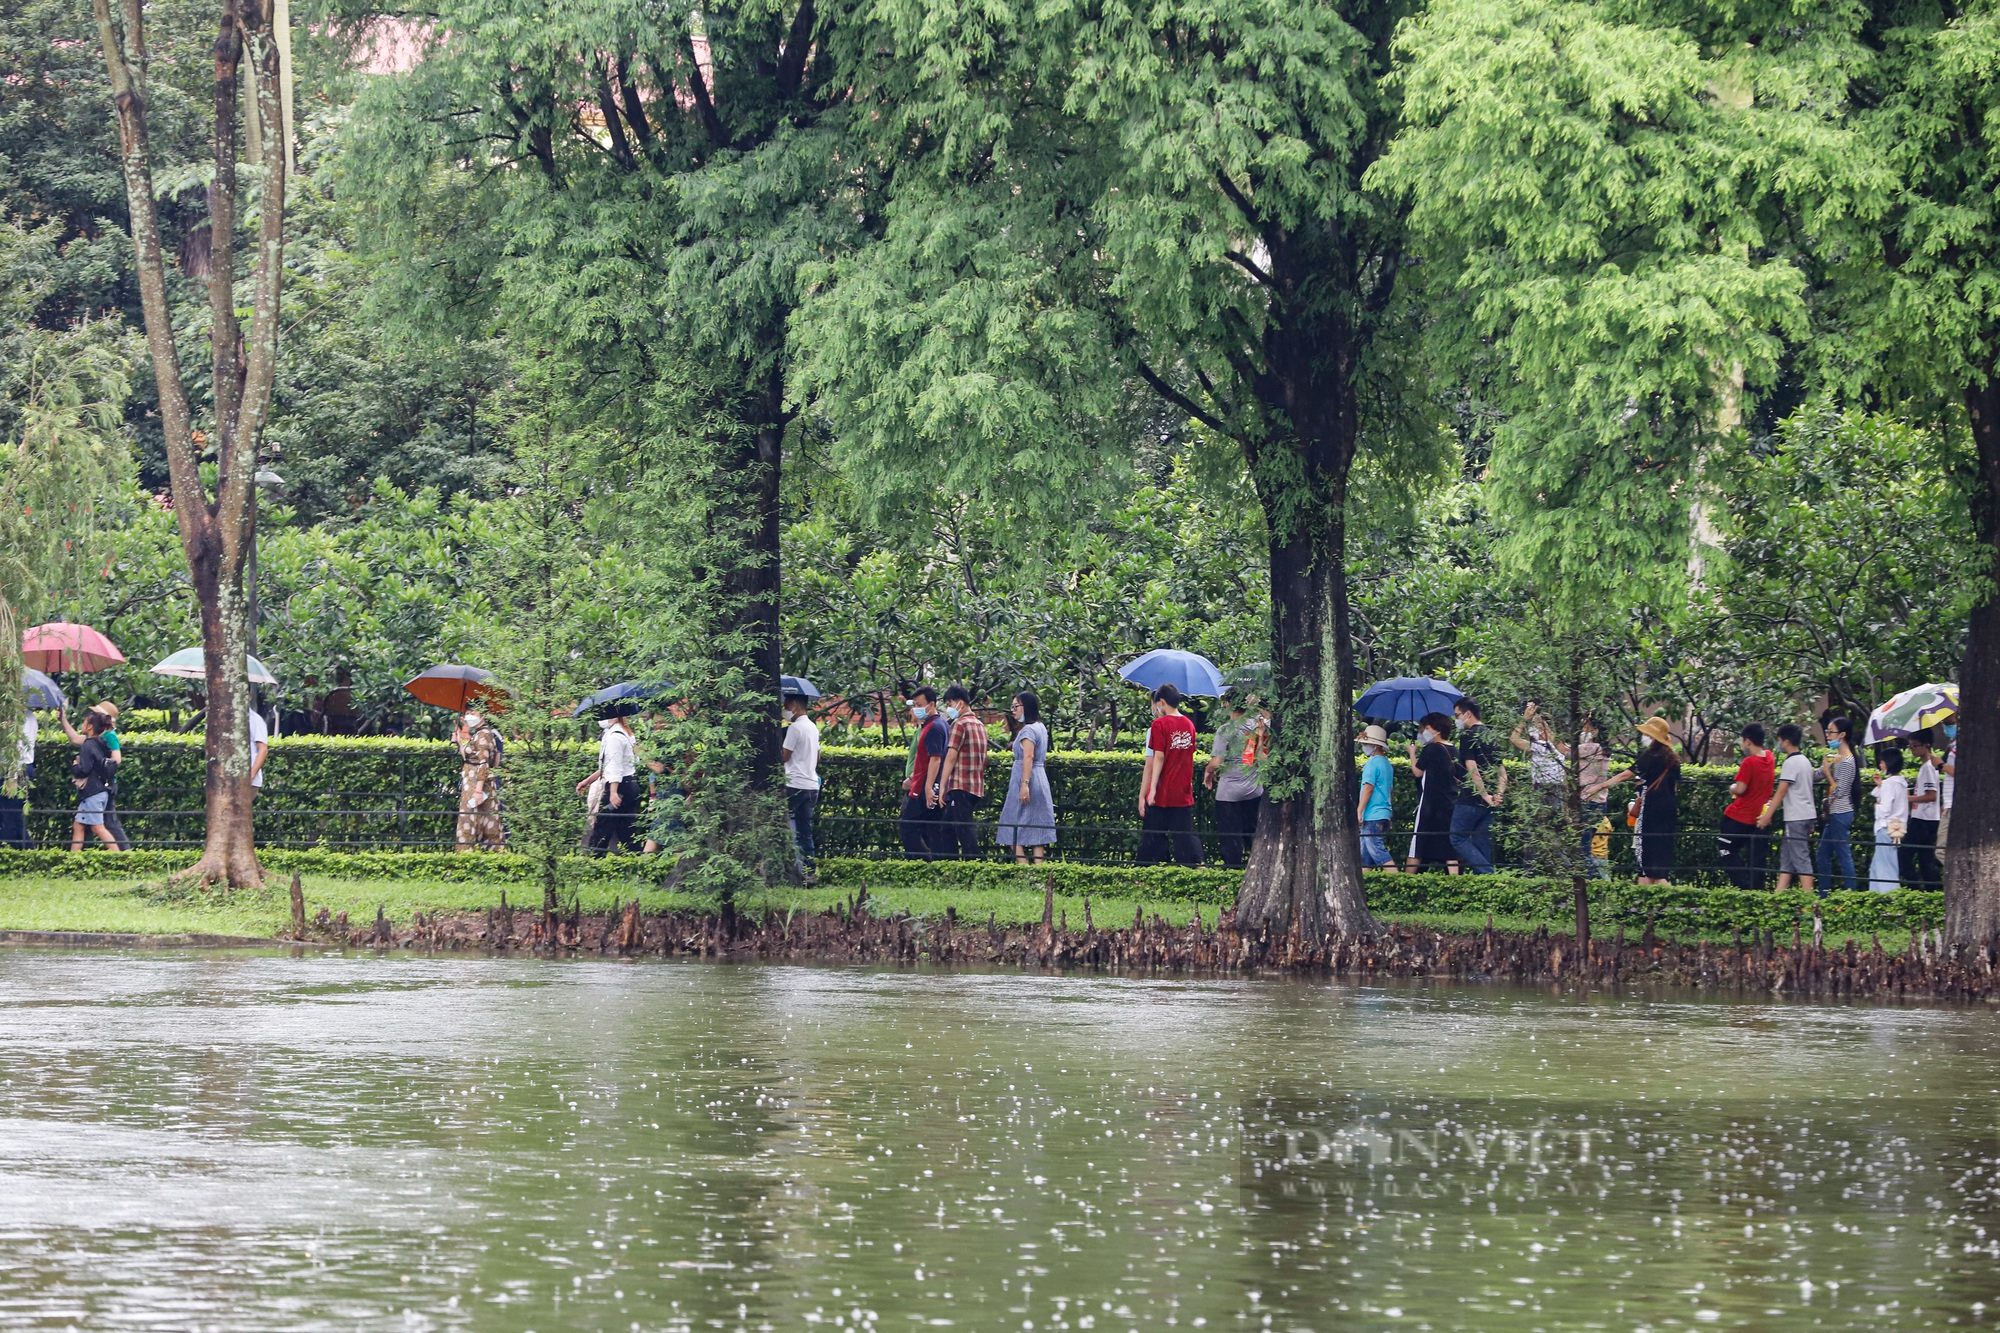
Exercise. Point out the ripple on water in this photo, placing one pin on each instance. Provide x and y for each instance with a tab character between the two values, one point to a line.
279	1143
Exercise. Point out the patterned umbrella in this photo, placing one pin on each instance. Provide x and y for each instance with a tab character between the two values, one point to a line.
1912	711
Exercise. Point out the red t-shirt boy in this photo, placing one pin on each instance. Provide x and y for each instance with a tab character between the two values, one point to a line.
1169	779
1755	777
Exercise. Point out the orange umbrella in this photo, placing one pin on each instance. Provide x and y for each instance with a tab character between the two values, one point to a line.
61	646
454	687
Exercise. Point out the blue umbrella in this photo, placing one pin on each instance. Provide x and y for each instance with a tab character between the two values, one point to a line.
622	699
797	685
1407	698
1190	673
42	692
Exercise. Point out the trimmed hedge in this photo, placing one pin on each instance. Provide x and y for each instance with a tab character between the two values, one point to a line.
441	867
376	791
1173	883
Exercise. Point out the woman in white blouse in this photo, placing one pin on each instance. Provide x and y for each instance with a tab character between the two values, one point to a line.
617	769
1892	818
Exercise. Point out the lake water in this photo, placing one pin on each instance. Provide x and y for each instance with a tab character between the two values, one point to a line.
274	1143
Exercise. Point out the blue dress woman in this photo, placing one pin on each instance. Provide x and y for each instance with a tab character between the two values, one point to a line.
1028	815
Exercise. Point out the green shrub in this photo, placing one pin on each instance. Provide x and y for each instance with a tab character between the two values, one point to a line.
361	791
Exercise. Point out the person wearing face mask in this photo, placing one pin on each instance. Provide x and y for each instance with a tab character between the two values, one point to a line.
1436	768
918	825
1232	775
478	747
1842	771
961	779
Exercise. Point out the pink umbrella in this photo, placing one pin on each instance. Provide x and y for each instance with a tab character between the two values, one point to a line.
62	646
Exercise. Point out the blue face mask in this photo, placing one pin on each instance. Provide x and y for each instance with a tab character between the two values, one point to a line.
1951	731
919	712
951	712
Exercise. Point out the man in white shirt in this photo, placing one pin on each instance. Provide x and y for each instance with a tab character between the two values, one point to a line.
1918	853
14	790
260	747
801	778
1792	800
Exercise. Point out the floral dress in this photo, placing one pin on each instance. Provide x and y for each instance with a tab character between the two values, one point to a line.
479	791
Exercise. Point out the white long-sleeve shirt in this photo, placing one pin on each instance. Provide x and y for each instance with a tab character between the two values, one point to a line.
1892	801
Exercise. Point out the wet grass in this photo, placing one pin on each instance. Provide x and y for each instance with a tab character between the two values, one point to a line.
135	906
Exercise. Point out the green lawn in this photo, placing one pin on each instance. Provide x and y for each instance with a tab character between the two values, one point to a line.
136	906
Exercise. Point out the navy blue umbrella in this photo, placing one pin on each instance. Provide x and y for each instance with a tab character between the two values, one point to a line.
42	692
623	699
1190	673
797	685
1407	698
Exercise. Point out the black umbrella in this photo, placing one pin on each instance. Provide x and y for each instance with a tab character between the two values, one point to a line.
797	685
623	699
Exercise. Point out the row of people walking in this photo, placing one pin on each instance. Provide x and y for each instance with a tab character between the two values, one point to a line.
944	780
1782	796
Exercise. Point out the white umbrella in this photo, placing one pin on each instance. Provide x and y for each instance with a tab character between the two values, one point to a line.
190	664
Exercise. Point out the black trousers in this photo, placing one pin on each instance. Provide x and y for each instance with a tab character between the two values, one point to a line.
1744	853
1235	828
14	822
620	825
919	828
111	820
1165	824
1917	858
957	836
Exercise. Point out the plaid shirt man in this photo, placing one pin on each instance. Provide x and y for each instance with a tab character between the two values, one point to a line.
965	757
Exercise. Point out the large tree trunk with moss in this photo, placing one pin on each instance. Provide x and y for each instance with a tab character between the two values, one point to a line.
216	533
1972	858
1303	881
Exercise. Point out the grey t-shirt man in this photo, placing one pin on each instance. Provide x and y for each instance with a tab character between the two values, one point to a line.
1238	780
1798	771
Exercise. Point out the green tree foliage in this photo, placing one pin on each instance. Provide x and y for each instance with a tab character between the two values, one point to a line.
1643	211
637	191
543	621
1101	202
1604	207
987	596
1851	563
61	393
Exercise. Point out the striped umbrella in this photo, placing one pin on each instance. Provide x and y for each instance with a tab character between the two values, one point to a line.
1912	711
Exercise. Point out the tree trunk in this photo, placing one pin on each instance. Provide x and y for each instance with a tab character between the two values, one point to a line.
1303	880
215	535
229	854
1972	858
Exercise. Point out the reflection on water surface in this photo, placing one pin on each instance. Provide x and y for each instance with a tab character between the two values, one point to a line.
511	1144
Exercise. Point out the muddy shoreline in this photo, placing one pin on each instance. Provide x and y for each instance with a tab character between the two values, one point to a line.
1208	946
